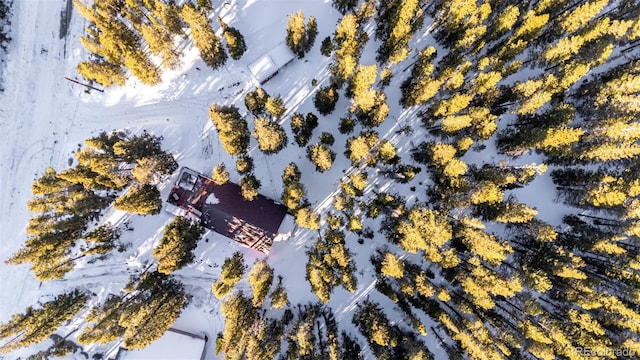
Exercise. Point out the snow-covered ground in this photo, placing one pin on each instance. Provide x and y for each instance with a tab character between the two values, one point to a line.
44	119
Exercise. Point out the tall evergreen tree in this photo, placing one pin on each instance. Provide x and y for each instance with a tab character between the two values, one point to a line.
156	303
397	21
300	37
256	101
232	271
307	218
220	175
344	5
235	41
244	164
374	325
260	278
176	247
249	186
321	156
279	296
204	38
232	128
349	39
302	127
35	325
360	147
271	136
293	195
103	73
325	100
141	200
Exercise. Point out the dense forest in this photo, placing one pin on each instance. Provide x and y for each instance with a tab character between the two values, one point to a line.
468	262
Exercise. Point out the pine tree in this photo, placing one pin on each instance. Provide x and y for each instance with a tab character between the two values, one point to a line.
486	192
516	213
326	48
300	37
248	333
244	164
235	41
294	192
325	100
359	181
392	266
35	325
302	127
260	278
279	297
374	325
329	265
232	128
360	148
249	186
421	86
220	175
113	39
232	271
321	156
102	239
160	42
327	139
176	247
307	218
142	67
256	101
146	316
141	200
275	106
271	136
452	105
149	170
103	73
347	125
344	5
423	229
137	147
204	38
485	245
387	152
579	17
349	39
169	15
397	21
368	104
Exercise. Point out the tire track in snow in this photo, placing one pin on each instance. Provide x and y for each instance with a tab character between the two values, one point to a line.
355	300
148	114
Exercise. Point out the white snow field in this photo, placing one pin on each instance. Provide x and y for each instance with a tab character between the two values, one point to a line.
45	118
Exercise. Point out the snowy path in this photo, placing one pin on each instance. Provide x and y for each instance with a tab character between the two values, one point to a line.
31	135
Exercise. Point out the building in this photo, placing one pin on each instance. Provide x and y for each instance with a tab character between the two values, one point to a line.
173	345
221	208
268	65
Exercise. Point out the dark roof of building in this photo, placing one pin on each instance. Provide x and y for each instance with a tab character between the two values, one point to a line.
223	209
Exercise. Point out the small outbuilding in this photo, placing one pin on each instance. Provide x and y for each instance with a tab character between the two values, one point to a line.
173	345
268	65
